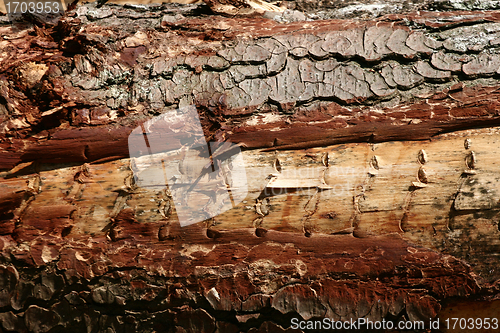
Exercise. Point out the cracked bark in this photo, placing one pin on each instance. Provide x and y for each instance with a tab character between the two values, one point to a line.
380	137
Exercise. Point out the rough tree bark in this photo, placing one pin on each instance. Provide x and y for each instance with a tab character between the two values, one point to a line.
381	136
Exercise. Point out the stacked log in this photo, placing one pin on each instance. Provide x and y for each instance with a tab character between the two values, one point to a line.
370	158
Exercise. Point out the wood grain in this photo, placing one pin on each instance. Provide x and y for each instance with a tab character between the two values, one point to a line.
370	152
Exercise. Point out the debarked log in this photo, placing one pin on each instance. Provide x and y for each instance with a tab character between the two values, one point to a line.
370	159
330	225
254	81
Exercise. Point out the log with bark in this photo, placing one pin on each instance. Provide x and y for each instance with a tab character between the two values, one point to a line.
370	150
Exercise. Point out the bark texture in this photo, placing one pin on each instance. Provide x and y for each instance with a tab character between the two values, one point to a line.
370	149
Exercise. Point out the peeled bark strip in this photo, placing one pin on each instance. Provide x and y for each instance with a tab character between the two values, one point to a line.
370	150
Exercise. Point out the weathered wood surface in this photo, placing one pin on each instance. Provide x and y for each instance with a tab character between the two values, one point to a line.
377	209
255	81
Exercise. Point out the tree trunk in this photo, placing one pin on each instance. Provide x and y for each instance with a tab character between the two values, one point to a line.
369	146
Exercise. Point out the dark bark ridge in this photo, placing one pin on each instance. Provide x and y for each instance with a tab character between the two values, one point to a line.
229	282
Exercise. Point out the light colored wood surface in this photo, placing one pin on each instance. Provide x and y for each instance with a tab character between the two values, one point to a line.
349	194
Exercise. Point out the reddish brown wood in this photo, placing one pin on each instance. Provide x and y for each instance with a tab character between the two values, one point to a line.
71	94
